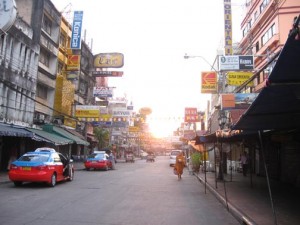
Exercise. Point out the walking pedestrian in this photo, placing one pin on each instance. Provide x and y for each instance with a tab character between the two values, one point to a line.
244	162
179	164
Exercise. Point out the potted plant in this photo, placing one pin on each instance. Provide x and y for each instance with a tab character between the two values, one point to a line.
196	161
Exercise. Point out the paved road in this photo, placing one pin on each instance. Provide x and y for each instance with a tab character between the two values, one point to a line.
133	194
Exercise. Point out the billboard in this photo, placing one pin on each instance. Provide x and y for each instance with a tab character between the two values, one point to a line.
209	82
76	30
237	100
109	60
238	78
87	111
107	73
236	62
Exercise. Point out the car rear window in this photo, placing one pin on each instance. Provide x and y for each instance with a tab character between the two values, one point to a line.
175	152
96	156
34	158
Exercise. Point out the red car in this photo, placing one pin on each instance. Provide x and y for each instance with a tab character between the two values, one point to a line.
42	165
98	160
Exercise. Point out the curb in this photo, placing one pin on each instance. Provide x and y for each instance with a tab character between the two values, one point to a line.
238	214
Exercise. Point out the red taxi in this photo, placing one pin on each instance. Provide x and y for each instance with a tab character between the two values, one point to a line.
42	165
98	160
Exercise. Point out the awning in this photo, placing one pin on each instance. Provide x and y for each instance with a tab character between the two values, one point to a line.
15	131
61	132
278	104
74	132
51	137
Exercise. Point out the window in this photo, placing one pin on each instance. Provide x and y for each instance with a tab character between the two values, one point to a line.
47	24
257	46
263	5
41	91
60	68
268	35
62	41
44	57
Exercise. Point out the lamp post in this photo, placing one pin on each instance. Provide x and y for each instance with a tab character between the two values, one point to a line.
186	56
222	119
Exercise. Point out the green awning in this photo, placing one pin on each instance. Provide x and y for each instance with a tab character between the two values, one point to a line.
51	137
65	134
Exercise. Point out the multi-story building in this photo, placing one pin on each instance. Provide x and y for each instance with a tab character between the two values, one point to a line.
265	29
47	33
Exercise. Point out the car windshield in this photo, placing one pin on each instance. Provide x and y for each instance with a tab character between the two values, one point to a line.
34	158
96	156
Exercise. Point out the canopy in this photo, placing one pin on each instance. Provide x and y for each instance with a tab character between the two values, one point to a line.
51	137
278	104
61	132
12	130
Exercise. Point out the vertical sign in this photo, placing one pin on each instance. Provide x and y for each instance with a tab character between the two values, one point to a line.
228	27
76	30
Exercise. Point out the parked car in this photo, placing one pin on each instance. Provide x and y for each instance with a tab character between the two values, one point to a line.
98	160
173	155
42	165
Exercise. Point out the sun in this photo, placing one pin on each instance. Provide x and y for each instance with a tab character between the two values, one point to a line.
162	127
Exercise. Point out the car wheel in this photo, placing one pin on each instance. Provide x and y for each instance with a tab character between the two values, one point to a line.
87	169
18	183
71	175
53	180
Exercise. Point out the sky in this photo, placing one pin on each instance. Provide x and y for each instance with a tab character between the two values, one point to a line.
154	36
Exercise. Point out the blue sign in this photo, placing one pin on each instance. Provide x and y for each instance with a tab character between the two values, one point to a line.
76	30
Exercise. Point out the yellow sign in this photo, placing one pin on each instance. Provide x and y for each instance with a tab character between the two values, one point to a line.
238	78
134	129
209	82
87	111
109	60
105	117
73	62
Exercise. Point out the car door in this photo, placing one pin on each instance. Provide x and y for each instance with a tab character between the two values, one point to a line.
59	166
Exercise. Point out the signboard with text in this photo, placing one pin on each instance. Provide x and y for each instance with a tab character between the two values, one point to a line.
76	30
236	62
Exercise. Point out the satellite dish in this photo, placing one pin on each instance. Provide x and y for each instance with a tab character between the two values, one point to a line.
8	15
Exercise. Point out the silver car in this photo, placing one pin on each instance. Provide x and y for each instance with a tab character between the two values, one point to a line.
173	155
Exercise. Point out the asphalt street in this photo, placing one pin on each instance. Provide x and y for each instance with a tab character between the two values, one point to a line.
133	194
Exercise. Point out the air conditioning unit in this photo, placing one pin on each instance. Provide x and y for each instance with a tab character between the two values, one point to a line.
41	117
57	121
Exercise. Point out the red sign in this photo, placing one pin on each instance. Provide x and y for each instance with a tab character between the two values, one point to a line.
191	115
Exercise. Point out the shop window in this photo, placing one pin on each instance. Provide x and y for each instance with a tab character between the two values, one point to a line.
41	91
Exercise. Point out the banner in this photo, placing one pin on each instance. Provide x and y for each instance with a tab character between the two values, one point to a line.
87	111
73	63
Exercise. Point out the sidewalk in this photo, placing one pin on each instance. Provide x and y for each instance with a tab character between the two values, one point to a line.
251	204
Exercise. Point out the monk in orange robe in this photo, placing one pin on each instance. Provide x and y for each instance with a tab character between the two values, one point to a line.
179	164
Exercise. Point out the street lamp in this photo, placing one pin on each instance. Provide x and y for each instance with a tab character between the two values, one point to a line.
186	56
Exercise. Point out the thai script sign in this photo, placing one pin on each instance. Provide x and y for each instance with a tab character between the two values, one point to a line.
109	60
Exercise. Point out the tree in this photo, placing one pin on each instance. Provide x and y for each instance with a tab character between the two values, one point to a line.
102	135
